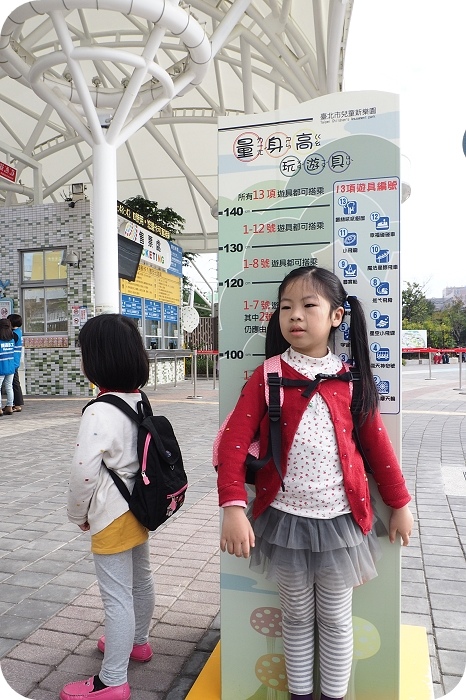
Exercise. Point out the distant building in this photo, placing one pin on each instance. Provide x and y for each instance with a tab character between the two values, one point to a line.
452	293
439	303
449	295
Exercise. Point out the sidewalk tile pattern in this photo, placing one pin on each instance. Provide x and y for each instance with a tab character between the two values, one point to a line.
50	609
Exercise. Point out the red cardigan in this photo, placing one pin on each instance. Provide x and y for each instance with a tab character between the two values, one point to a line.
250	417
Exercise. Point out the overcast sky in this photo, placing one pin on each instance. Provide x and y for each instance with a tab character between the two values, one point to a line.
415	48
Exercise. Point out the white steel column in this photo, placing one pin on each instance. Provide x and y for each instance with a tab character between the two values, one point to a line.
123	107
107	294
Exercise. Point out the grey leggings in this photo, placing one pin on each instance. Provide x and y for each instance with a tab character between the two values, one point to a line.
127	588
331	606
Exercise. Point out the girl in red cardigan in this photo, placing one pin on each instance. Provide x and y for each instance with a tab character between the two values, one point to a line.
314	535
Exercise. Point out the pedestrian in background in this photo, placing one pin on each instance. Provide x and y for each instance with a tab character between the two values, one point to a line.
7	365
16	323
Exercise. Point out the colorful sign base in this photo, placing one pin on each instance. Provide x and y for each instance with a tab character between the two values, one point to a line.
251	629
416	682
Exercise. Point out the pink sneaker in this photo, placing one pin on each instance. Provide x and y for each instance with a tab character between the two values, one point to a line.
140	652
84	690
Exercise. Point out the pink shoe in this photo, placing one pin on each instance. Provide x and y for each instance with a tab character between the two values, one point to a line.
140	652
84	690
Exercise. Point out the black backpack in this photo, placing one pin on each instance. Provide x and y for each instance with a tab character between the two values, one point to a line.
161	482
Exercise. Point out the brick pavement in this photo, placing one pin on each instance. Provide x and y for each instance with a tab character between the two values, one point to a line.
434	565
50	609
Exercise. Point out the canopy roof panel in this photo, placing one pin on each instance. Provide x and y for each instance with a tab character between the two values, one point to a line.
275	53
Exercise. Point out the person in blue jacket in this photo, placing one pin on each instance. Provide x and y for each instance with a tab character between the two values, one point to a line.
16	323
7	364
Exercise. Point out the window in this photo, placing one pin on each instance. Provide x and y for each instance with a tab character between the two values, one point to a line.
170	327
153	324
45	292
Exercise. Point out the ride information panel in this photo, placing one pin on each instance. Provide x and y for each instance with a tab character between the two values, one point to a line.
318	187
317	184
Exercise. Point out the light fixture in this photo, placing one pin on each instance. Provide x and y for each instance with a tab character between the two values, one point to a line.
72	259
77	188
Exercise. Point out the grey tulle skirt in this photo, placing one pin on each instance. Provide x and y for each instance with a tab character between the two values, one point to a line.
335	548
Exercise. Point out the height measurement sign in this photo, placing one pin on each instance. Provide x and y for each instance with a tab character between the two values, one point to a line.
317	185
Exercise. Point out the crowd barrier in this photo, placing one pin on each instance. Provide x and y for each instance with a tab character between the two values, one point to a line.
434	352
174	355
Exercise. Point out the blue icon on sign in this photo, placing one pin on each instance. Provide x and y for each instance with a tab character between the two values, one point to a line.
383	289
382	223
345	329
382	355
383	256
383	321
383	386
350	271
351	239
350	208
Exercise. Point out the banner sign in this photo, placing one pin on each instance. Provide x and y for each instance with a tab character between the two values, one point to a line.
8	172
134	216
156	250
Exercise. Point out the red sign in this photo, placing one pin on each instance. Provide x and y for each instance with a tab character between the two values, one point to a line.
7	172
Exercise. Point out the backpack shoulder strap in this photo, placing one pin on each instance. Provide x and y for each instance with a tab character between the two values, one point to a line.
144	410
274	396
273	365
143	407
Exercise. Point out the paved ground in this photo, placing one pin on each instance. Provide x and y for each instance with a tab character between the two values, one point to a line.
50	609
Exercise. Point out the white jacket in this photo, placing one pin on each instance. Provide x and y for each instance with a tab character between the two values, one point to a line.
107	434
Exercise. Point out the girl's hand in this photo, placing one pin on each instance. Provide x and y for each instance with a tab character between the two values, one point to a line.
401	521
237	535
85	526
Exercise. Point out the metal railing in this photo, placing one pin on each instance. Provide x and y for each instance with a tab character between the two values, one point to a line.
460	352
175	355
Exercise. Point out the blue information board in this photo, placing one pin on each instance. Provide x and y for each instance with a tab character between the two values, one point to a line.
131	306
170	312
153	310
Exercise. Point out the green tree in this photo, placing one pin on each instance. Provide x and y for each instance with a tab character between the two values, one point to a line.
416	308
438	331
455	316
168	218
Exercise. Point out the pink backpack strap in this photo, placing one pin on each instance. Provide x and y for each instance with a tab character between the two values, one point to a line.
347	368
273	365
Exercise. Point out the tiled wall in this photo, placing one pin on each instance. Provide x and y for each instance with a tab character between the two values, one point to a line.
50	371
56	371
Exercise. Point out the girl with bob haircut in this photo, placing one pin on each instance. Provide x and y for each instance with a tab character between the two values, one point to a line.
114	359
313	530
113	355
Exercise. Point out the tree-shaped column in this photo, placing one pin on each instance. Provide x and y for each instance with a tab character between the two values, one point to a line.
105	92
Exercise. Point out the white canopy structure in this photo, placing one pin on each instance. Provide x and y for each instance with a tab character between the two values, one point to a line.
151	77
